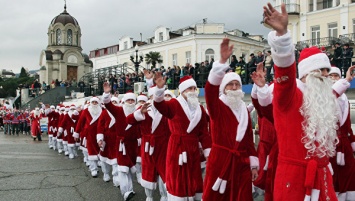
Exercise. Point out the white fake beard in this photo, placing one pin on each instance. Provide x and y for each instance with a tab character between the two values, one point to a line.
36	113
234	98
129	108
319	109
192	99
167	98
94	109
70	113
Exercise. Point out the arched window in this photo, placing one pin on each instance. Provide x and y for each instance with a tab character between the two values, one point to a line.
59	37
70	37
209	54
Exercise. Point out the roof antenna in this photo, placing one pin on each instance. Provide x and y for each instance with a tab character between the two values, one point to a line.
65	4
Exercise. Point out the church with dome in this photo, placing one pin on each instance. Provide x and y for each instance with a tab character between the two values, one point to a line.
63	58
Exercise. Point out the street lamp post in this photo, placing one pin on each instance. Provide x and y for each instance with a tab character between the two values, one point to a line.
135	60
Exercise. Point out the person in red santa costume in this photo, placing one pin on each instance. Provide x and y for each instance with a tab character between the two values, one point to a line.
232	164
106	139
307	141
35	117
141	99
126	140
53	117
87	124
61	130
49	126
59	136
155	133
66	127
188	126
343	163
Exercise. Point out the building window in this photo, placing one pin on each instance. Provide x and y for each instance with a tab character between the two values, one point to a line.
315	35
333	30
161	36
70	37
125	45
323	4
59	37
188	56
175	59
352	1
209	54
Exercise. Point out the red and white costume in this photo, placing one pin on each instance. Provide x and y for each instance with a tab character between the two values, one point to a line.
228	171
183	167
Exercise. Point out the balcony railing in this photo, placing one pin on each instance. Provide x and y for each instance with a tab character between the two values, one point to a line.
319	42
291	8
347	38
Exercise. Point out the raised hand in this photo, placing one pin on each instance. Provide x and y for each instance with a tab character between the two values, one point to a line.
350	74
276	20
226	50
258	76
107	87
147	74
159	80
145	108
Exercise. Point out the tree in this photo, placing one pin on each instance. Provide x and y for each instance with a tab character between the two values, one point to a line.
23	73
153	58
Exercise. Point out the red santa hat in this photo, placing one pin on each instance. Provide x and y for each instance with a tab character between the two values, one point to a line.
129	96
335	70
95	99
62	107
170	93
186	82
58	107
72	107
52	107
67	108
37	108
142	97
114	98
228	77
312	59
151	90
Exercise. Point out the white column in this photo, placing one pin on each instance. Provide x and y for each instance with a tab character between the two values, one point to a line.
334	3
314	5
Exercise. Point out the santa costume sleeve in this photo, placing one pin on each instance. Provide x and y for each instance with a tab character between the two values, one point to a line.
80	125
166	108
102	126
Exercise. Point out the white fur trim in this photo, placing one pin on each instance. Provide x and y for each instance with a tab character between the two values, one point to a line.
138	159
313	62
193	120
198	196
149	82
176	198
228	77
106	98
99	137
121	168
186	84
217	184
264	96
250	107
307	198
95	99
266	163
149	185
350	195
114	98
93	157
341	86
353	146
76	135
151	91
107	160
60	130
159	95
223	186
282	49
206	152
341	196
315	194
254	91
335	70
129	96
254	162
217	73
142	98
138	115
170	93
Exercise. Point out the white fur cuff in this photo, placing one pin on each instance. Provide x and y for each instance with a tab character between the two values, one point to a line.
217	73
106	98
206	152
353	146
341	86
76	135
159	95
99	137
254	162
264	96
138	115
282	49
254	92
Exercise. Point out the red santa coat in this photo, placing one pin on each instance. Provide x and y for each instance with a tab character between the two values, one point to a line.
126	140
68	125
53	118
183	167
87	129
155	133
229	159
344	163
107	131
35	125
59	122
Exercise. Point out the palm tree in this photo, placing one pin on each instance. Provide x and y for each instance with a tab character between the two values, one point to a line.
153	58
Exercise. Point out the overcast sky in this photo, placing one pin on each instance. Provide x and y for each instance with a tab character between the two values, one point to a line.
24	23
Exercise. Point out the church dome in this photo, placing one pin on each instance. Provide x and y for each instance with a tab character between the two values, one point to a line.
65	18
